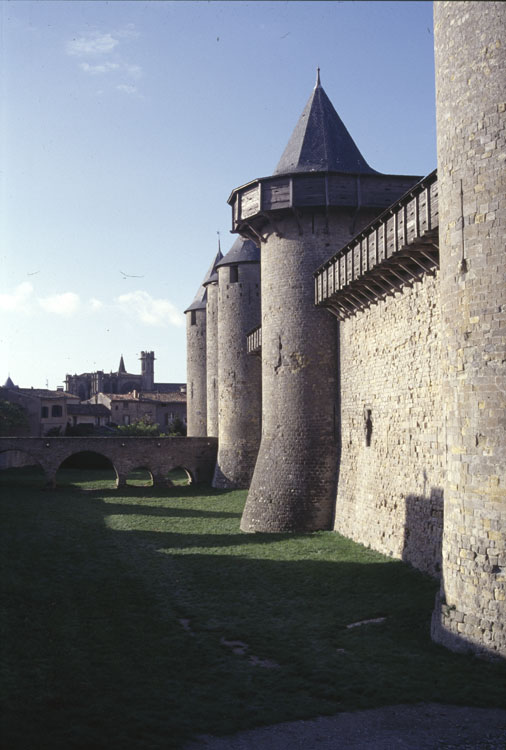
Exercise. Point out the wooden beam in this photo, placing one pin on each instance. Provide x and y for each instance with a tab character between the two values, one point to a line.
259	237
299	226
271	221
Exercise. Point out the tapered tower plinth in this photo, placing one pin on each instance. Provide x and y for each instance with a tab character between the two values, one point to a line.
239	373
470	60
322	193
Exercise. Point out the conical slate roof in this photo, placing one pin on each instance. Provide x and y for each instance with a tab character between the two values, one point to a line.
200	301
121	368
242	251
8	383
212	275
320	141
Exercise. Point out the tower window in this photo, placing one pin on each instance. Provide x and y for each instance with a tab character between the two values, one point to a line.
193	317
234	274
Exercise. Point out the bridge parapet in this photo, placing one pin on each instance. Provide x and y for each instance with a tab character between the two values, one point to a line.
159	455
397	248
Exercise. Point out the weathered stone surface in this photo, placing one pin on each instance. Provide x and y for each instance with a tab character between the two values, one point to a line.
470	95
390	494
212	359
293	486
239	375
196	389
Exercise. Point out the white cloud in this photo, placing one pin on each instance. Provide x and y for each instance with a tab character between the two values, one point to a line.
134	71
127	88
65	304
153	312
100	55
93	44
18	300
96	304
128	32
105	67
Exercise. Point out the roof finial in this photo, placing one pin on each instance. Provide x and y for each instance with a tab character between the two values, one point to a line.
317	78
219	243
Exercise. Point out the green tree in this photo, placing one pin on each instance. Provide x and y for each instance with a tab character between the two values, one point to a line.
142	427
177	427
13	419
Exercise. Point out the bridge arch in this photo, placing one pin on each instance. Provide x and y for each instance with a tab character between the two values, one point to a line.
180	476
15	460
134	481
89	464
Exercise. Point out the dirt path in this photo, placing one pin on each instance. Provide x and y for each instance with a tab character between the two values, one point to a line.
425	726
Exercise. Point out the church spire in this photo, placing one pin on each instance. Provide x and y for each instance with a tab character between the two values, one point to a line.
121	368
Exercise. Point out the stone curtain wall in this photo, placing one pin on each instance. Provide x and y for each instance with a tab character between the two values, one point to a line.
390	492
470	54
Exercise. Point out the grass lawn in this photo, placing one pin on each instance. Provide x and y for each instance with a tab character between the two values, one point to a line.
136	619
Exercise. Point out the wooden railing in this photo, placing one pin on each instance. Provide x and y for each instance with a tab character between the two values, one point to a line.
398	247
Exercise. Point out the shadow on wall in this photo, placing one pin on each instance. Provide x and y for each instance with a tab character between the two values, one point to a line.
423	531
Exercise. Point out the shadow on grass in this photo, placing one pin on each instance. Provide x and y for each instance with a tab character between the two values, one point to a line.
120	638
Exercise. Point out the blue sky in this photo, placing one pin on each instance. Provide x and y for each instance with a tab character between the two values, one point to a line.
126	125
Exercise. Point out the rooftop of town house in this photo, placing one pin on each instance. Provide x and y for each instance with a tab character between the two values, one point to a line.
48	394
139	396
165	398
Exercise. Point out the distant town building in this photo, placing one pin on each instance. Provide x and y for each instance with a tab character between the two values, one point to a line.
47	410
157	408
87	384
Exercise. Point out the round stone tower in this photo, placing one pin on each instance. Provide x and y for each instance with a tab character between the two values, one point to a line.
470	56
210	283
322	193
196	387
239	373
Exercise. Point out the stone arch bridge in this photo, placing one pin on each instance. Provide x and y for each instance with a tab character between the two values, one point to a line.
158	455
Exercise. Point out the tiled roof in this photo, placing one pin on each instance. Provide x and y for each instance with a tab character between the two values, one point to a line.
46	393
165	398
